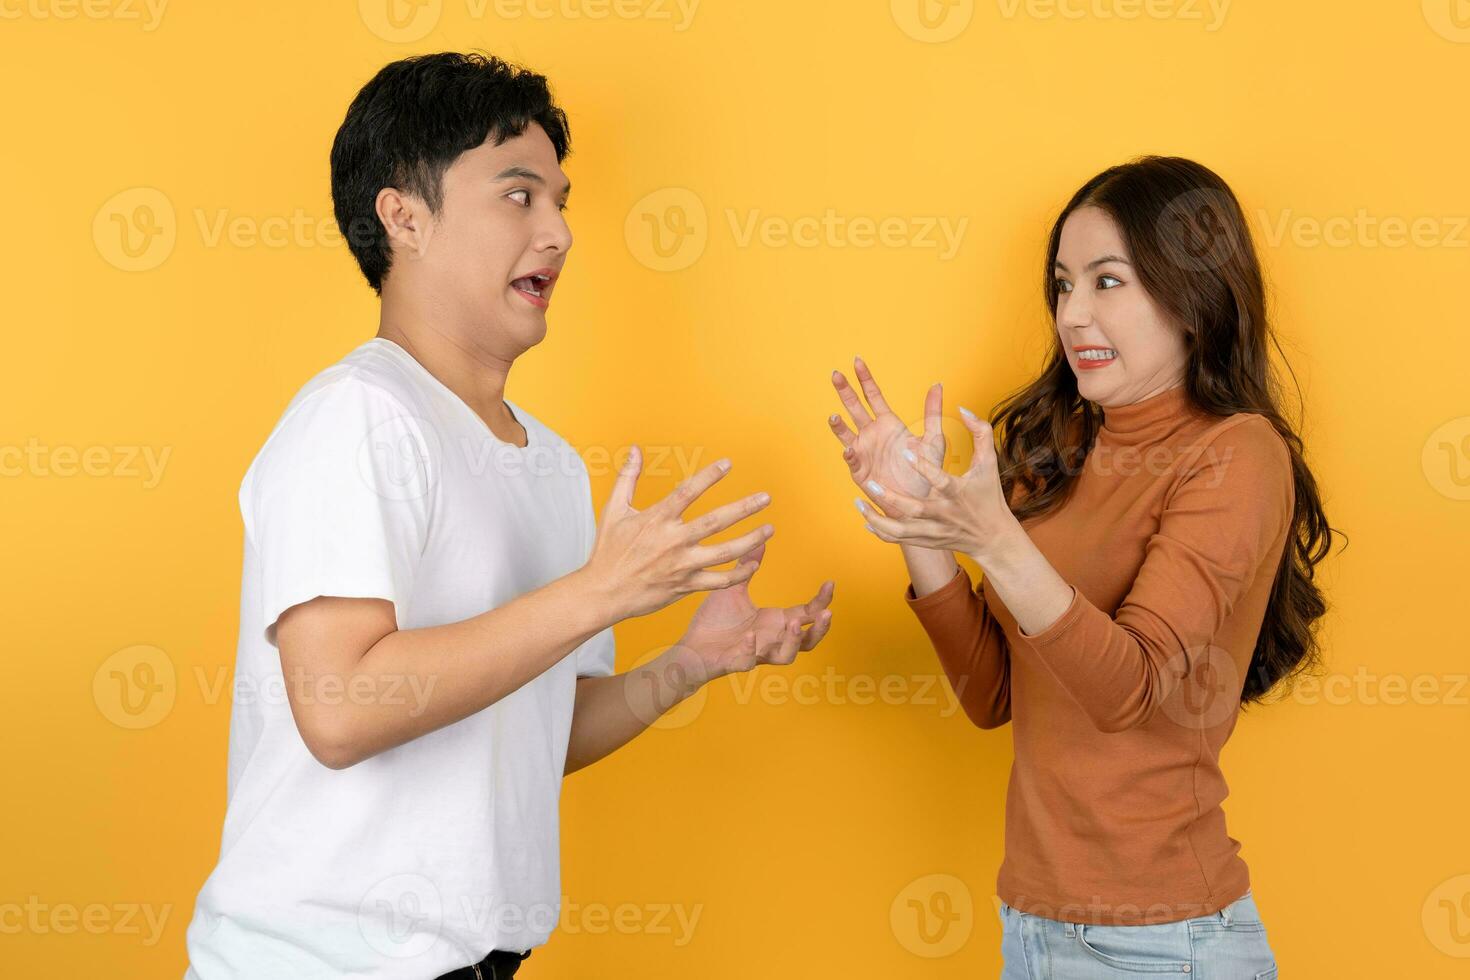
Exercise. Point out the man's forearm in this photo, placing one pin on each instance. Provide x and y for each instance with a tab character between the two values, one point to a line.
414	681
611	711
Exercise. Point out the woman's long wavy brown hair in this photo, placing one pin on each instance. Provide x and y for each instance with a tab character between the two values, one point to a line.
1191	249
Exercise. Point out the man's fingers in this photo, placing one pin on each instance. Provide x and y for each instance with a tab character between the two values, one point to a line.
819	629
851	401
818	602
621	497
690	490
715	581
718	554
870	387
729	515
782	649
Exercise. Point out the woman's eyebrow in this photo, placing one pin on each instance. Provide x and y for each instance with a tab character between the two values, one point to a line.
1096	262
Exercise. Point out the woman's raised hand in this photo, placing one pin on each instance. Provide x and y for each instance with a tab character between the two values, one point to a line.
874	444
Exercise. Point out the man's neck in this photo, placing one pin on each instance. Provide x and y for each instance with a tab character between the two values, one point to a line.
476	376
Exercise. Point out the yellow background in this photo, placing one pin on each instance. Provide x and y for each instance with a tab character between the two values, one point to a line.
797	831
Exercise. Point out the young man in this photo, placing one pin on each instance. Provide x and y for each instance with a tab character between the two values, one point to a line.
425	583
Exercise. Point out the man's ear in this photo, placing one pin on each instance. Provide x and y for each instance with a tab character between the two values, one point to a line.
406	219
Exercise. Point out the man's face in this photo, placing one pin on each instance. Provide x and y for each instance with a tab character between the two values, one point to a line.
493	253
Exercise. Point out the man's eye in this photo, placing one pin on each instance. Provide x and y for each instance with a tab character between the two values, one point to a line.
1108	282
1063	286
520	193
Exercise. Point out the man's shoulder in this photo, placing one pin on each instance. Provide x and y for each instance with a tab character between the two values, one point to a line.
342	407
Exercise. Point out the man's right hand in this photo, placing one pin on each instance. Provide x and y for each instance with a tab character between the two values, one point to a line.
646	559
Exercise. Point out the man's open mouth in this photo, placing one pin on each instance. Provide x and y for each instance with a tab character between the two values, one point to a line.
537	285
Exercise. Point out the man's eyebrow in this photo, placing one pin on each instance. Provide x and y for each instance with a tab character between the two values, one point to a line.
1096	262
524	173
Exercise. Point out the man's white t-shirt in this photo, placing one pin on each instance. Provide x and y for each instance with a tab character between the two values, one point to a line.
378	481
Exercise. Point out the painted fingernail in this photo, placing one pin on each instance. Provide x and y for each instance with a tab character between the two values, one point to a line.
966	412
875	487
724	465
870	528
862	507
908	454
762	498
832	418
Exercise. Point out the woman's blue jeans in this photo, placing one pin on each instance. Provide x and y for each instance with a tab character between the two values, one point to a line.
1227	945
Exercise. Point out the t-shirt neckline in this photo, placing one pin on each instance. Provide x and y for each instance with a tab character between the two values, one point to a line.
512	407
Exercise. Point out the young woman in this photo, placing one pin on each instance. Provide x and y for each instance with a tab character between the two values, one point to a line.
1147	529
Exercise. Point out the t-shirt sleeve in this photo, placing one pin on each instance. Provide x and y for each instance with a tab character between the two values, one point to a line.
595	657
1224	523
337	503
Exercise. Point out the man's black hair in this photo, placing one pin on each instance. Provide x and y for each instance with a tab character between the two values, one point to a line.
412	121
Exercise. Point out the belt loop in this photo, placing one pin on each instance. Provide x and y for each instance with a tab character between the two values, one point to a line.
1071	930
1225	916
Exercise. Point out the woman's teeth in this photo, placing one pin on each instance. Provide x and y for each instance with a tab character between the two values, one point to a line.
1097	355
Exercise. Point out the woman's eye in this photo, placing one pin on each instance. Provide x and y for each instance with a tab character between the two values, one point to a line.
1108	282
561	206
521	196
1063	286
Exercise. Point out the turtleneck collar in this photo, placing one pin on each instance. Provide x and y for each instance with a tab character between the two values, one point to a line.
1157	414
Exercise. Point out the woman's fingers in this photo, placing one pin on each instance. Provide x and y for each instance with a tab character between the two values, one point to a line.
925	532
839	428
934	417
870	387
894	503
851	401
938	479
983	434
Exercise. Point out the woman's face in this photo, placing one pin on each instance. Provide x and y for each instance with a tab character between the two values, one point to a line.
1101	304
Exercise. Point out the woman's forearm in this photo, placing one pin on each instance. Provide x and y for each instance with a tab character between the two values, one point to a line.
929	568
